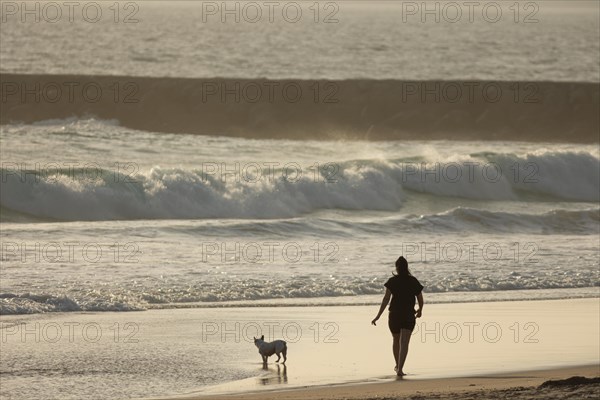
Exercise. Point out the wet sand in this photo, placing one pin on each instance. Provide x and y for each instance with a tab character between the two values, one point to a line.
455	348
333	351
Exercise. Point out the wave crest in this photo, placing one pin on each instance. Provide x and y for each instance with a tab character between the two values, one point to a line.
172	193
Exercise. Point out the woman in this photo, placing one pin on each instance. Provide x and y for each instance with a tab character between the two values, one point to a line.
402	288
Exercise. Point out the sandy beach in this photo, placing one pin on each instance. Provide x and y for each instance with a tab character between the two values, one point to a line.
333	352
448	361
519	385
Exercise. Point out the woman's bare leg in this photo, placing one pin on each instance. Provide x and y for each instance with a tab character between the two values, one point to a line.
396	347
404	341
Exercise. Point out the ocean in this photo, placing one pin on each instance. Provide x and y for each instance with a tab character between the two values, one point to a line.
101	217
540	41
178	219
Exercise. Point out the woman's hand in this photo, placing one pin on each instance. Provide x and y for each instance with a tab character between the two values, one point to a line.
384	302
418	313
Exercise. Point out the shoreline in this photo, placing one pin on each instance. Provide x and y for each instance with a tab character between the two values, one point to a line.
358	109
443	298
393	388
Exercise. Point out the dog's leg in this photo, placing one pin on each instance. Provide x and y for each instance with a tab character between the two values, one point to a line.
284	354
278	357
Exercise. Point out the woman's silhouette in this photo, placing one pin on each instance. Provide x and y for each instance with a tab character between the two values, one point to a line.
402	288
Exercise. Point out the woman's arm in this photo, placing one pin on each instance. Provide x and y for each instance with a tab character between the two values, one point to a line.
420	300
384	303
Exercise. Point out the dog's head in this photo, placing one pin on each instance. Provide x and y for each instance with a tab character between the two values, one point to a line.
258	342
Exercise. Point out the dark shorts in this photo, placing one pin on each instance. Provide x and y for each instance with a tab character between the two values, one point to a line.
398	321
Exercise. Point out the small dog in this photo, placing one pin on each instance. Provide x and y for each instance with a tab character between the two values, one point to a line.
267	349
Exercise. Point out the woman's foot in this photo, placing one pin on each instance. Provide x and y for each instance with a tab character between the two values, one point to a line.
399	373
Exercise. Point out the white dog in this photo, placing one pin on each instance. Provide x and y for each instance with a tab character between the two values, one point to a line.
267	349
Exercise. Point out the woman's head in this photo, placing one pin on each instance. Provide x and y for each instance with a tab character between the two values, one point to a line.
402	267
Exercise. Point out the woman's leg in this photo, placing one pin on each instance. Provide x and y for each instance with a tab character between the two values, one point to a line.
405	335
396	347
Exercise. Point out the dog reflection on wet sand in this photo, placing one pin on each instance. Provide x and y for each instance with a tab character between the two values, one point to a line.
280	377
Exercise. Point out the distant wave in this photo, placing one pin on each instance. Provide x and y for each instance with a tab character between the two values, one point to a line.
466	219
460	219
161	193
324	109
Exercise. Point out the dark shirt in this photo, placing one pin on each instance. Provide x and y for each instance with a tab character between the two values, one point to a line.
404	290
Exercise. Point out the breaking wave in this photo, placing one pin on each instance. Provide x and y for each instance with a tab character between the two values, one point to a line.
171	193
